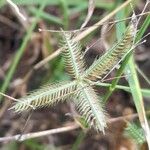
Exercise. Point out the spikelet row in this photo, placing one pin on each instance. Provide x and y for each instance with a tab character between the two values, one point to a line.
90	107
105	63
46	96
74	62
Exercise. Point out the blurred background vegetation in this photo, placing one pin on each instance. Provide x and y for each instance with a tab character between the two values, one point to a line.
22	46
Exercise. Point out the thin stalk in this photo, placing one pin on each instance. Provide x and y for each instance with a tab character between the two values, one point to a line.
145	92
79	140
143	75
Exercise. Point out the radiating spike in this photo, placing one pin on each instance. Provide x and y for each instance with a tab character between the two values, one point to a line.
90	108
72	54
48	95
104	64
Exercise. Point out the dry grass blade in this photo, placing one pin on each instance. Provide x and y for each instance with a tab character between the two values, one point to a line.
59	130
91	7
23	137
83	34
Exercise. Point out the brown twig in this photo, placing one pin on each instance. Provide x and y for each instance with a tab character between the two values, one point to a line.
15	9
71	127
8	22
107	23
40	134
83	34
91	7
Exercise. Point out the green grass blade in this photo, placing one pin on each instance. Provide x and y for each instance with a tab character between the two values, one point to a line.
48	17
115	81
120	25
65	11
19	53
2	3
50	2
134	84
135	87
104	4
79	140
143	28
99	3
137	96
121	69
134	132
78	9
145	92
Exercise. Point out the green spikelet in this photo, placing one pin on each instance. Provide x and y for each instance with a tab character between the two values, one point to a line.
134	132
105	63
90	107
83	94
72	55
46	96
